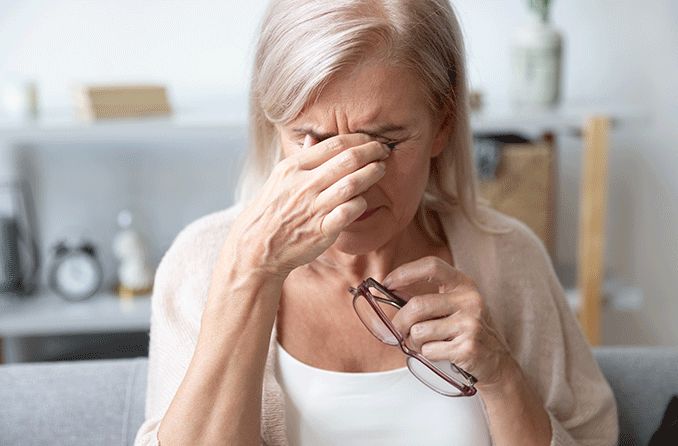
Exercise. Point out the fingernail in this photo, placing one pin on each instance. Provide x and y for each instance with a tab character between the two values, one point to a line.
387	151
307	142
382	165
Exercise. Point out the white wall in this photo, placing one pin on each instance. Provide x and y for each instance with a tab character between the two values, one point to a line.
617	51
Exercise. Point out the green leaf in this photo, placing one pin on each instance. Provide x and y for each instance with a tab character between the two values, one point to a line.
541	7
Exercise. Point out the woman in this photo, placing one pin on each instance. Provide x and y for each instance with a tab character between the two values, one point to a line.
361	167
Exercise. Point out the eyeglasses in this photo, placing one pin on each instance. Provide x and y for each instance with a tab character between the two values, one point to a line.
376	310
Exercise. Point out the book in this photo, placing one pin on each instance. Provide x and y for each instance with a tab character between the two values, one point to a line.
121	101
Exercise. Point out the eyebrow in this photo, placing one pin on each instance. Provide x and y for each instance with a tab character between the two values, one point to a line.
377	131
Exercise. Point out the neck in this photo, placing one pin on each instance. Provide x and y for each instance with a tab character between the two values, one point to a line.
409	244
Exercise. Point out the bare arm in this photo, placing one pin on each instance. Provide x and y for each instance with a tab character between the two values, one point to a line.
515	412
299	212
219	399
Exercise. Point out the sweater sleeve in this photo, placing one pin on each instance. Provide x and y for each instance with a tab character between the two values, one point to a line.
587	412
180	289
551	348
172	341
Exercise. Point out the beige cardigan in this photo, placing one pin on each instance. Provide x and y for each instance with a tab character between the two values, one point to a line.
513	272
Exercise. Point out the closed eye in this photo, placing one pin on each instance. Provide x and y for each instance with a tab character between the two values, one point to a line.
390	144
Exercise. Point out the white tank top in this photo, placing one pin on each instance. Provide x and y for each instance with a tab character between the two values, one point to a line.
326	407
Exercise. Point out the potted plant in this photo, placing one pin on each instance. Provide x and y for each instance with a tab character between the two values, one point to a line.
541	8
536	59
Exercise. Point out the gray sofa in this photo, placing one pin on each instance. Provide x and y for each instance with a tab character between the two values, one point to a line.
101	402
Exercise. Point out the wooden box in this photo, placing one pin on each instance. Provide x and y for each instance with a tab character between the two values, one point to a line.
524	188
121	101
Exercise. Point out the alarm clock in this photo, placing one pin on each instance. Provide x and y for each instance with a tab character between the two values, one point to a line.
75	272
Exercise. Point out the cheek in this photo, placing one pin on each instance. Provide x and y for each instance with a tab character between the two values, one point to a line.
287	148
405	181
407	168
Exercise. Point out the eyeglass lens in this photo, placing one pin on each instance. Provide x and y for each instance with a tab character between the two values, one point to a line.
378	328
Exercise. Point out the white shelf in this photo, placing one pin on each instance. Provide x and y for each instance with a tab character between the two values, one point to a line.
614	295
64	127
565	118
47	314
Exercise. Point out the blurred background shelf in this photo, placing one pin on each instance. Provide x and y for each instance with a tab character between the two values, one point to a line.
565	118
34	323
48	314
63	126
533	186
44	324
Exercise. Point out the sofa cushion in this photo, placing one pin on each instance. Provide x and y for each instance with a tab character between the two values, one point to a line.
102	401
643	380
72	402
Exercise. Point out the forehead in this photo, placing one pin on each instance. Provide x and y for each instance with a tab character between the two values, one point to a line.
368	94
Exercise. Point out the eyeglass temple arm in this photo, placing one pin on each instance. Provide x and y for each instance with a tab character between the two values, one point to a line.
391	299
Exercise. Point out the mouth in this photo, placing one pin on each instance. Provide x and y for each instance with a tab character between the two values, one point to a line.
367	213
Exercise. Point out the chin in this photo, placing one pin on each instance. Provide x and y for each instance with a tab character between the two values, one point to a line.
357	240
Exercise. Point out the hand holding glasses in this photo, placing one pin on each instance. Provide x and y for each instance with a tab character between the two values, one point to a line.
373	309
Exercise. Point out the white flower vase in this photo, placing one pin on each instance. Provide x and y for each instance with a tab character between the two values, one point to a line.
536	61
134	275
18	100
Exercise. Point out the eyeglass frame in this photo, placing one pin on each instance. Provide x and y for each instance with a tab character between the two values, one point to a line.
397	302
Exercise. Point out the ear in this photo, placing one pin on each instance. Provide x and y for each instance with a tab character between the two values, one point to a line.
442	135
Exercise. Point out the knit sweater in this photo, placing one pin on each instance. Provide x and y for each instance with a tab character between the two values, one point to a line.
514	275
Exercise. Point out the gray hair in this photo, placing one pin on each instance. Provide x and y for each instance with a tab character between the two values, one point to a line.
302	46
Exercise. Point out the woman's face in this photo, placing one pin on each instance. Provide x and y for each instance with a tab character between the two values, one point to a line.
367	99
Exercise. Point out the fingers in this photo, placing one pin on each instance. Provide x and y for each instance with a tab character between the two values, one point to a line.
424	307
341	216
437	350
327	149
436	339
342	173
348	162
431	269
440	329
461	348
350	185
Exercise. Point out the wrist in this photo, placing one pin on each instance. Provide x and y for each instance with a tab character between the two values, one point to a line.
248	257
515	410
241	290
508	382
235	275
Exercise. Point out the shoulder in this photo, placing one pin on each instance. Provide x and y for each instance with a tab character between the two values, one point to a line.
183	276
524	258
195	248
518	238
505	257
517	278
204	231
503	234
